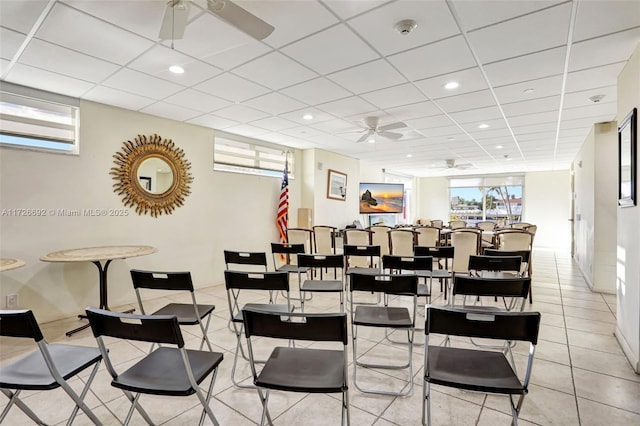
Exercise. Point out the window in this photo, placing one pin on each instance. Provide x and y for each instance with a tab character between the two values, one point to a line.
496	198
238	154
34	119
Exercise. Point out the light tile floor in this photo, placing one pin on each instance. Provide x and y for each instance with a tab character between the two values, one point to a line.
580	375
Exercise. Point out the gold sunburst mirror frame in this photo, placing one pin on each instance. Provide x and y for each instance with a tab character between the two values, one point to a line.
137	190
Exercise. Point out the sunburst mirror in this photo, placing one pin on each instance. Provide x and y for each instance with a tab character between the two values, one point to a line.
152	175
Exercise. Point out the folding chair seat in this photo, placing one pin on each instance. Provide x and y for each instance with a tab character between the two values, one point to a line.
45	369
443	257
168	370
238	282
187	313
477	370
293	369
319	265
394	317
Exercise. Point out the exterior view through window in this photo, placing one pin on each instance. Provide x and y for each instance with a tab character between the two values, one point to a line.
482	199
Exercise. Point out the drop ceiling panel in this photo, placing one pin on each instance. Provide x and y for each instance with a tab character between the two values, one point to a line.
46	80
603	76
417	110
231	58
429	122
521	36
21	15
292	20
550	103
368	77
603	50
477	115
434	59
467	101
275	71
470	80
581	98
336	126
212	121
599	112
316	91
434	22
108	96
394	96
246	130
597	18
73	29
348	107
10	42
331	50
531	119
298	116
240	113
197	100
274	124
528	67
174	112
141	84
231	88
347	9
275	103
534	128
494	11
302	132
54	58
541	87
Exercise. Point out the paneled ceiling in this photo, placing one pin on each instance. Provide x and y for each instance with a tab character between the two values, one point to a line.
526	71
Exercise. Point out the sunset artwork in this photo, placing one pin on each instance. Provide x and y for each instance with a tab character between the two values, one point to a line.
381	197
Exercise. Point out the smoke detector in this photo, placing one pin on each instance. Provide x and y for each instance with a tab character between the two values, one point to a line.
597	98
405	26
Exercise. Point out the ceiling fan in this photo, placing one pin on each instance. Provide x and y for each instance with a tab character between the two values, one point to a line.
451	164
373	130
176	16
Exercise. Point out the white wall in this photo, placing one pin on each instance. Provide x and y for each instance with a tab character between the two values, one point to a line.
595	174
628	232
547	203
432	199
223	211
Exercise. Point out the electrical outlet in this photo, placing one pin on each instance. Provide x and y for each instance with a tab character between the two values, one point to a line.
12	301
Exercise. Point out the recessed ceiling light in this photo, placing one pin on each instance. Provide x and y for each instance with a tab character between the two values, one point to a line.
308	117
409	155
371	140
499	146
483	126
527	91
452	85
176	69
451	138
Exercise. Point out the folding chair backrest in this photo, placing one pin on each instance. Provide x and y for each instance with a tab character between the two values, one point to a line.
522	326
440	252
144	328
500	287
408	263
317	327
288	250
301	236
245	258
256	280
20	323
427	236
161	280
495	263
360	255
523	254
321	260
401	285
324	239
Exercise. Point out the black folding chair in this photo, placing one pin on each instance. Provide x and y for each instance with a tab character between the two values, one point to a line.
238	282
513	288
187	313
169	371
290	253
395	317
45	369
319	265
442	255
475	369
294	369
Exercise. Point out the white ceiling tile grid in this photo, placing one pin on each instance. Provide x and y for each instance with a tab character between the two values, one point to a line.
341	61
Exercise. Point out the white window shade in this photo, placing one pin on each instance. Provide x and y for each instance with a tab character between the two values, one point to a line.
244	155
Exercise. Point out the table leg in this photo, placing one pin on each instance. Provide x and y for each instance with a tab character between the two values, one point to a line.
103	295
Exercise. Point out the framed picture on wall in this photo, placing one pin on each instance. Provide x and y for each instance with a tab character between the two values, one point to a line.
336	185
627	154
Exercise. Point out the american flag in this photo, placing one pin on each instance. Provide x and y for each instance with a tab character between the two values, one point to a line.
283	206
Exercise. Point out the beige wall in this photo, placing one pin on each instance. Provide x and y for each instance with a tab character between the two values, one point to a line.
224	211
628	252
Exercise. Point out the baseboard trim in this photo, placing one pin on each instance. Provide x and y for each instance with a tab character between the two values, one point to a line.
632	357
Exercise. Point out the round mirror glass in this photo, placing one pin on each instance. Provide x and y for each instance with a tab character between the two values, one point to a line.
155	175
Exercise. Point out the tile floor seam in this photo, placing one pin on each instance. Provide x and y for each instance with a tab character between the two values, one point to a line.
571	366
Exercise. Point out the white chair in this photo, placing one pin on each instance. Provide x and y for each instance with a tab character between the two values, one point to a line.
402	242
465	242
324	239
427	236
380	237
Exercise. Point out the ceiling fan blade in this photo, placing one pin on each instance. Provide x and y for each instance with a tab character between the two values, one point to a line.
392	126
365	136
240	18
390	135
175	20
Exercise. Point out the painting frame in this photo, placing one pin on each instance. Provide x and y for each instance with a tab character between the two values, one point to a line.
627	155
336	185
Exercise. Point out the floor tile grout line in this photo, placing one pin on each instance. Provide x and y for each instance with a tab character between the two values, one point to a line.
573	380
